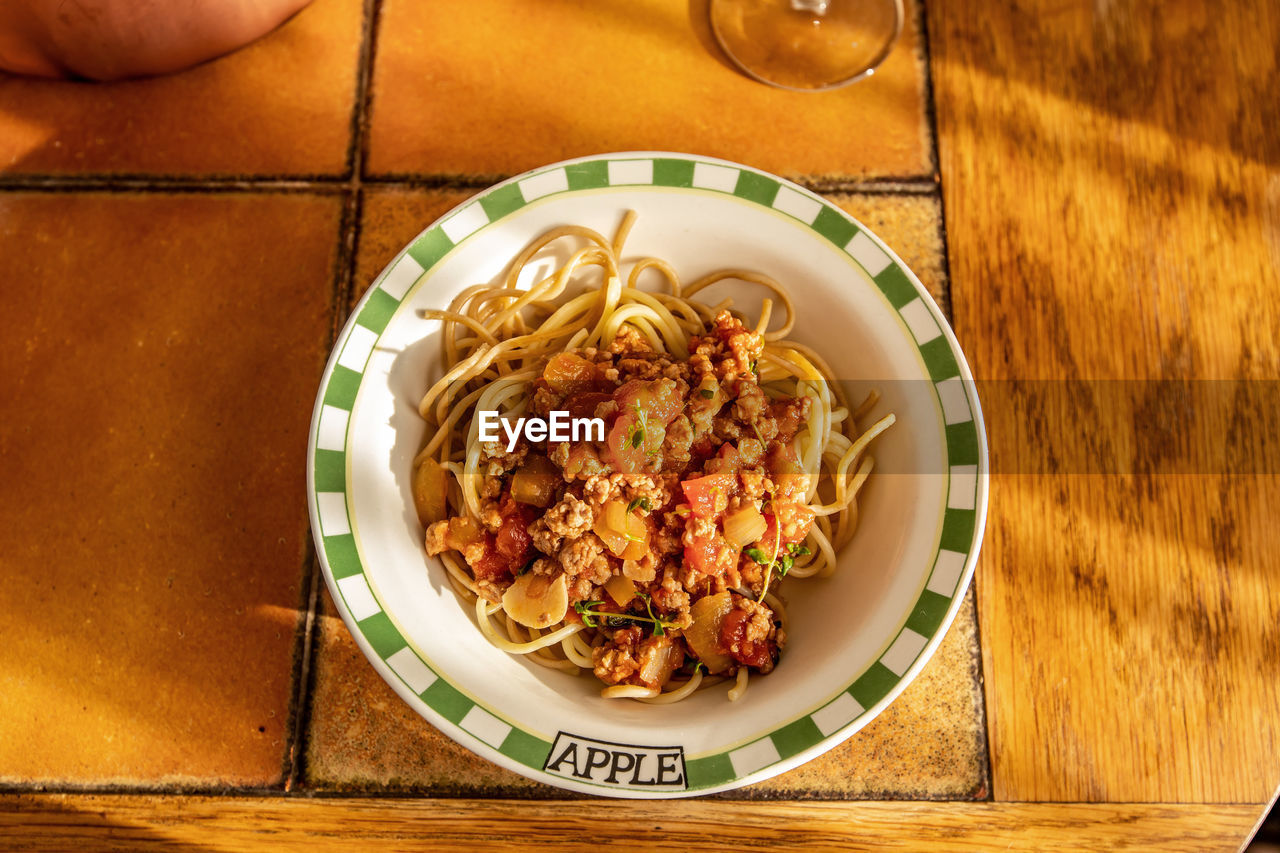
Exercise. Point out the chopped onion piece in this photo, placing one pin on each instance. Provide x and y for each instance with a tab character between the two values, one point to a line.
745	526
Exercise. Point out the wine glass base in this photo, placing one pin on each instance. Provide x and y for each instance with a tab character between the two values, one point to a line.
795	44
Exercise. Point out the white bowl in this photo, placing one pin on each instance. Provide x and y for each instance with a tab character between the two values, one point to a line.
856	639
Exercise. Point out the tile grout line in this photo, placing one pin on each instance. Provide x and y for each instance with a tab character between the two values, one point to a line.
299	712
931	118
343	286
300	701
364	92
175	183
887	185
10	791
931	122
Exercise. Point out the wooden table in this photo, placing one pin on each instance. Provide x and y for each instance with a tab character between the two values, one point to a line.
1091	191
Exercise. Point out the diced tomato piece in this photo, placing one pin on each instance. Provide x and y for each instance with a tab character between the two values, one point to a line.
796	518
733	638
708	496
505	552
702	556
657	398
492	566
512	539
785	470
621	450
584	405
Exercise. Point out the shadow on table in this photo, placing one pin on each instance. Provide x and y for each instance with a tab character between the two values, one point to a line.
28	824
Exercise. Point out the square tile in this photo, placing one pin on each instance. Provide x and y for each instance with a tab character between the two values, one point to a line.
486	89
389	219
362	736
161	354
929	743
280	106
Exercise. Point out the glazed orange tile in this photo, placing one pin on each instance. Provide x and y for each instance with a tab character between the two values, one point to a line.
485	89
161	355
929	743
280	106
390	219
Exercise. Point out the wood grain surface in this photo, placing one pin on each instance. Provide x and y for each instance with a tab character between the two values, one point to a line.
116	822
1111	185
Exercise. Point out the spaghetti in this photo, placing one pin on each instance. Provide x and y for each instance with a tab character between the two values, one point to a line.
730	460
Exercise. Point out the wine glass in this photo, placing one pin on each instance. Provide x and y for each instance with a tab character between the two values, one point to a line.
807	45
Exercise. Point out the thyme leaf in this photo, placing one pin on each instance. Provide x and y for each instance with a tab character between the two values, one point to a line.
586	609
638	432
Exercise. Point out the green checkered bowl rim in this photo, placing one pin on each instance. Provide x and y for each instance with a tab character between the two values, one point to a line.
500	738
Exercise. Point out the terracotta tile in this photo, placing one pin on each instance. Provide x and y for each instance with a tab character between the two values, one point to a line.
493	88
362	735
389	220
929	743
161	355
280	106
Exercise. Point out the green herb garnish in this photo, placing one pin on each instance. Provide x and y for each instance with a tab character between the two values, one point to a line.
637	436
586	609
707	393
659	625
782	562
583	609
642	503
